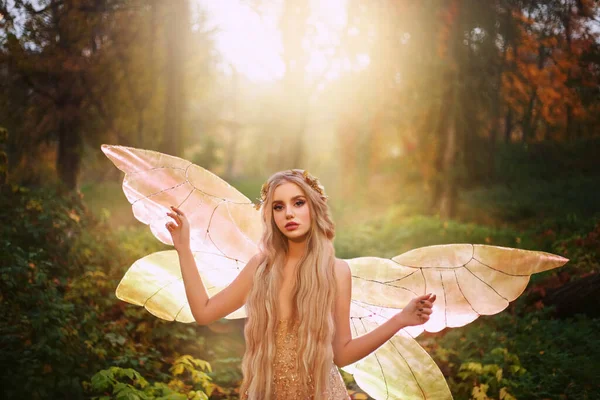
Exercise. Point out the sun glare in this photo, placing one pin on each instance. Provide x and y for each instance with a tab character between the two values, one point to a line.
250	41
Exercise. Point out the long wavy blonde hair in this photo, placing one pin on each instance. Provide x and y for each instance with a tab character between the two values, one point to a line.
314	293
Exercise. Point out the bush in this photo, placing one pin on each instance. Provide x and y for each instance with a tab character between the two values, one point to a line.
528	354
59	318
188	381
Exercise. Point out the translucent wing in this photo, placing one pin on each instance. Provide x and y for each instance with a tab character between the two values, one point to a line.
469	281
400	368
155	282
225	228
223	220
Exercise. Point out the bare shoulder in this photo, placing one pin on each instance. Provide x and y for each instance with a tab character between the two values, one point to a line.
342	270
254	262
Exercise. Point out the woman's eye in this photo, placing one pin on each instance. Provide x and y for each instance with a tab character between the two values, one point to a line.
277	208
300	203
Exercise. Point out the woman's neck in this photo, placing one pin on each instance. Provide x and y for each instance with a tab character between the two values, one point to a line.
296	249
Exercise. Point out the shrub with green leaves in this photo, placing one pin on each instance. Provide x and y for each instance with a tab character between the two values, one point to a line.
189	381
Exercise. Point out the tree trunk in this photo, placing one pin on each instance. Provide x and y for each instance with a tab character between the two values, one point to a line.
3	158
578	297
445	191
508	125
70	148
69	100
176	29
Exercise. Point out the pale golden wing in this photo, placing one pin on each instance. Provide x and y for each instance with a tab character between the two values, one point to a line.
223	220
400	368
469	280
155	282
473	280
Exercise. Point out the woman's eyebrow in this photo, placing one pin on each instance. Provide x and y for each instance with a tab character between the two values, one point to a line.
293	198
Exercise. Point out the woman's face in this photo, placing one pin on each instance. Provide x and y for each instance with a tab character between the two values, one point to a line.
290	211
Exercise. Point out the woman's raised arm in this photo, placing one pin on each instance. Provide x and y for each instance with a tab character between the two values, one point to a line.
207	309
347	350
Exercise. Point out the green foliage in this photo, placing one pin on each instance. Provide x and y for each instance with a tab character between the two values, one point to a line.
568	201
40	329
59	318
526	354
60	322
127	384
395	233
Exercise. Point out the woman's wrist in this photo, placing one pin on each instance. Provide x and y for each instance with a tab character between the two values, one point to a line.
400	320
183	250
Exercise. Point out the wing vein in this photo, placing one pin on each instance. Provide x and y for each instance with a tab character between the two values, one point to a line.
409	368
487	284
180	310
399	279
498	270
387	390
381	283
160	289
141	171
238	229
221	255
159	192
464	295
208	194
445	300
186	197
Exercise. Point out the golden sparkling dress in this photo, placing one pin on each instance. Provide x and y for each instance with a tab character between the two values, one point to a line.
285	379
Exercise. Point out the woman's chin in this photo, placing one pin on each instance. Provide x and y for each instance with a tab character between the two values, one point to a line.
295	236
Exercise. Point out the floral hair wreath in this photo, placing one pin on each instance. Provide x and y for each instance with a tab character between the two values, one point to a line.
312	181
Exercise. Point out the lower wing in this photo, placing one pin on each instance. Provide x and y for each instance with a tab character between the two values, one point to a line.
155	283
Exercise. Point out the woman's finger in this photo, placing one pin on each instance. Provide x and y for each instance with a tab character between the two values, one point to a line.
423	297
178	211
175	217
428	297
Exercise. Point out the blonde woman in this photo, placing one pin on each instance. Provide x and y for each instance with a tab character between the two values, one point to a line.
297	296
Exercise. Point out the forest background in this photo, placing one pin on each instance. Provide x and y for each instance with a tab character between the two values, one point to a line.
428	122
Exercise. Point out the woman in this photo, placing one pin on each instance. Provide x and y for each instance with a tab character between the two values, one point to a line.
297	296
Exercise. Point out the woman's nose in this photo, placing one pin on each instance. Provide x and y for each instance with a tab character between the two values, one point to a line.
289	214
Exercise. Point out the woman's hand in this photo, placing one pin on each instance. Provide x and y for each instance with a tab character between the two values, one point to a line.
179	229
418	310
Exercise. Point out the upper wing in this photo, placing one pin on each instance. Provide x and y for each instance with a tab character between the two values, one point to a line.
469	281
155	282
223	221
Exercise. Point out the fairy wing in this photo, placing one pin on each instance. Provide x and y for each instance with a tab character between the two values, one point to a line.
469	281
223	220
225	229
400	368
155	283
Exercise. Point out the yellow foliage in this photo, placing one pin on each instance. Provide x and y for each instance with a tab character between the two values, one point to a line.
73	215
504	395
177	369
33	204
480	392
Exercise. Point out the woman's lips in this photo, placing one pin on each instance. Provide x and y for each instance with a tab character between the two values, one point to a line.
291	226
